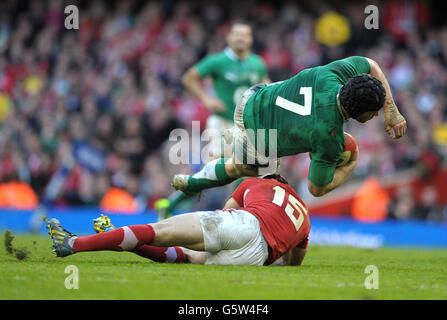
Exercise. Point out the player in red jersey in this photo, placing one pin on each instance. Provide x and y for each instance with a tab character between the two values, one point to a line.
264	221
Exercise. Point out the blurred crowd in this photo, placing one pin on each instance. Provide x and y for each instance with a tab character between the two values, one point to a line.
114	85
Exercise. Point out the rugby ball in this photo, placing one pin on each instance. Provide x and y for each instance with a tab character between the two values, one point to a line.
348	151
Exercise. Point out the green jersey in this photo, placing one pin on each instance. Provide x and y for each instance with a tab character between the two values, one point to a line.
304	112
231	76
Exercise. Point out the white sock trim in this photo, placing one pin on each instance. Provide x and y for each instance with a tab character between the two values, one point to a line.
171	254
130	241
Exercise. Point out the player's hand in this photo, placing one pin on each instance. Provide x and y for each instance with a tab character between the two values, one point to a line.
213	104
352	161
395	123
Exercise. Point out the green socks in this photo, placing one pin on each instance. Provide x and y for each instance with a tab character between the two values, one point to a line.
212	175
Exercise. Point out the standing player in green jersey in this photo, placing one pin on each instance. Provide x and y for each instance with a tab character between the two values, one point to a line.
306	113
233	71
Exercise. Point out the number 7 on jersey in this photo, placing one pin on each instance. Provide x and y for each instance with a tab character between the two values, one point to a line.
295	107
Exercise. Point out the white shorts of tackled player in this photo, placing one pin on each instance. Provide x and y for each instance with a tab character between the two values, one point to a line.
372	280
187	148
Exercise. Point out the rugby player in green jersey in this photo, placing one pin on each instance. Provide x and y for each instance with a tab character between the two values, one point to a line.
233	71
306	113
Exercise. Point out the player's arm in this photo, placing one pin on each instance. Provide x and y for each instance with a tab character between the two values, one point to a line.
192	81
340	175
231	204
294	257
395	124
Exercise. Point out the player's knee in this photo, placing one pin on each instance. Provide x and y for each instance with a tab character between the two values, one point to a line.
315	190
272	167
194	257
163	232
246	170
231	167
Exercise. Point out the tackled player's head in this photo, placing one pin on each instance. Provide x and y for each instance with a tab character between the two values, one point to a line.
362	97
276	177
240	37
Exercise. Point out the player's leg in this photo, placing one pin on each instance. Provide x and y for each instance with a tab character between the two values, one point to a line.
245	160
235	232
170	254
222	171
215	149
157	254
194	257
232	237
162	254
216	173
182	230
218	145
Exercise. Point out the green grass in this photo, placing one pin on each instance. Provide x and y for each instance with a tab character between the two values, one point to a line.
327	273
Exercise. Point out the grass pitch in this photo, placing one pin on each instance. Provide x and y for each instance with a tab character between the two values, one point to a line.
327	273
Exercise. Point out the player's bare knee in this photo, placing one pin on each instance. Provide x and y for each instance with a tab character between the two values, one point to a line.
163	232
242	170
194	257
248	171
316	191
231	168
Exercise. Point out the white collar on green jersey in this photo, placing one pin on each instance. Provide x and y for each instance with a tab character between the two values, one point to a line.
231	54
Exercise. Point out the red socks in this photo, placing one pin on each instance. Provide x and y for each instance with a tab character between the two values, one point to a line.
125	238
131	238
161	254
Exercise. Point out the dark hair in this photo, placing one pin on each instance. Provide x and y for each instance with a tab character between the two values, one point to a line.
277	177
362	93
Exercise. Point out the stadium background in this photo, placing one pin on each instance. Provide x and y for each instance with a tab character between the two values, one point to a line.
91	110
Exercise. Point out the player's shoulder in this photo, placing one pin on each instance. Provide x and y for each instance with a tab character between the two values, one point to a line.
347	60
342	69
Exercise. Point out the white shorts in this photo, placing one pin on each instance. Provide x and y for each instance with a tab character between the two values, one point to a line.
233	237
243	146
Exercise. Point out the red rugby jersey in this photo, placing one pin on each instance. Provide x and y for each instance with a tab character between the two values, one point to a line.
283	216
